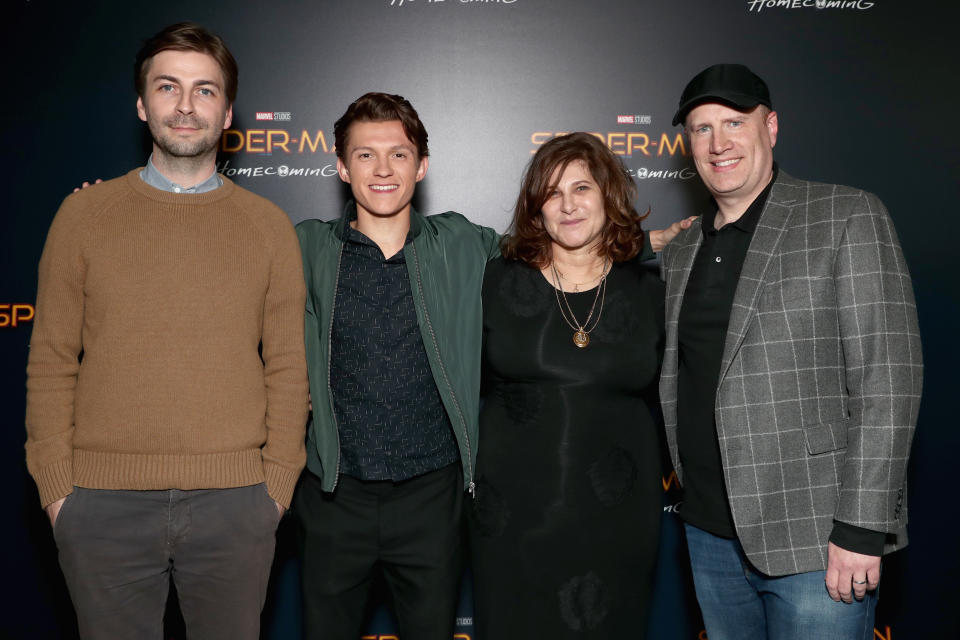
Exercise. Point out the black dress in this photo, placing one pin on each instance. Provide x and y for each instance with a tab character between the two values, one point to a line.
566	520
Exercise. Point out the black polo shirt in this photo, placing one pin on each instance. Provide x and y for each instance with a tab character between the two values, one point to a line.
704	317
390	417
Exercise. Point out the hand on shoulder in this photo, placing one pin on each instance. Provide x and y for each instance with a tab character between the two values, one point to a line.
660	238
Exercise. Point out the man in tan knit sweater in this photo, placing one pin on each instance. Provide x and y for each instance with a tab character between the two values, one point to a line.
167	389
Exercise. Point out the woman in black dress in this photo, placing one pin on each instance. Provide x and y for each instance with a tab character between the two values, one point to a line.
565	524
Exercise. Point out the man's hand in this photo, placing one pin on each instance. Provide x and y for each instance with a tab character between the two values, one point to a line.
849	574
280	508
53	510
87	184
659	238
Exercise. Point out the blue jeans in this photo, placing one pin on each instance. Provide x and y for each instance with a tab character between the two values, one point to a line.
740	603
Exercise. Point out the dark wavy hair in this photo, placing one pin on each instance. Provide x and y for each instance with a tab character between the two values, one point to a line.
187	36
622	236
381	107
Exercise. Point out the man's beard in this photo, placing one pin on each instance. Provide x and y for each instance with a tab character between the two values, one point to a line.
180	148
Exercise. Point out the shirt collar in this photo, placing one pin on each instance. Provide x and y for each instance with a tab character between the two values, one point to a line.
152	176
359	237
750	218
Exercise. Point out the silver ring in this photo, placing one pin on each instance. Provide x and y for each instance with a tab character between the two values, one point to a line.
859	582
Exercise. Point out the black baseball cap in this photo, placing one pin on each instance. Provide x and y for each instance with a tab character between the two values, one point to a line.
730	84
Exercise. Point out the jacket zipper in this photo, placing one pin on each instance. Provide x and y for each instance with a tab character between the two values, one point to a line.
333	413
471	486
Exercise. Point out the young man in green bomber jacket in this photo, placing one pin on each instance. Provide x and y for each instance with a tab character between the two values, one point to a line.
393	340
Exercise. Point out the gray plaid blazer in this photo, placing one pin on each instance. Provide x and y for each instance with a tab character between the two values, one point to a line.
820	380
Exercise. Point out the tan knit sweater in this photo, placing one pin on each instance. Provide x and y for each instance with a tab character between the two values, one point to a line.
145	367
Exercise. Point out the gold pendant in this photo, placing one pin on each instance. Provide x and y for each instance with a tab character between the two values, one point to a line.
581	338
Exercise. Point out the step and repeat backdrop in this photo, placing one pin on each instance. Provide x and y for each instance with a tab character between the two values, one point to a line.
865	92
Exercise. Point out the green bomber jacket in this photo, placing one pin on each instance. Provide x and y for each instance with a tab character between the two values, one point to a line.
445	261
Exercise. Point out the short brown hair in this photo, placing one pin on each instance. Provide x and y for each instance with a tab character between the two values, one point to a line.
187	36
381	107
622	236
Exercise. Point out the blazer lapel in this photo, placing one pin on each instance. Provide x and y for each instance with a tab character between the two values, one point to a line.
763	247
685	246
677	263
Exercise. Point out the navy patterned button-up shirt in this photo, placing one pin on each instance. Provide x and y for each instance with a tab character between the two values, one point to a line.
391	420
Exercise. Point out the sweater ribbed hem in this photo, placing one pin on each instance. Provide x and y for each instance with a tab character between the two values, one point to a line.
54	481
142	472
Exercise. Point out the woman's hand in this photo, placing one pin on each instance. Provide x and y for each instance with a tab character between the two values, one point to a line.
660	238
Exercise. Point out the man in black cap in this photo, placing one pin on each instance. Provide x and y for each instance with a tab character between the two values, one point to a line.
790	383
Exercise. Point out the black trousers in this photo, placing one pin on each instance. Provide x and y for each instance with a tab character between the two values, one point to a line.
410	530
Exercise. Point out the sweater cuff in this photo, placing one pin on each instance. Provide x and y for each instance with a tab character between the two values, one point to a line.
280	483
54	481
857	539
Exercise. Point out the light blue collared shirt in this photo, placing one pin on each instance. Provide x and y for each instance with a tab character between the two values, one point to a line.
152	176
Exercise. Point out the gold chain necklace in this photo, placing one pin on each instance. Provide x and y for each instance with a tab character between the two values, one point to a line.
581	335
577	285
